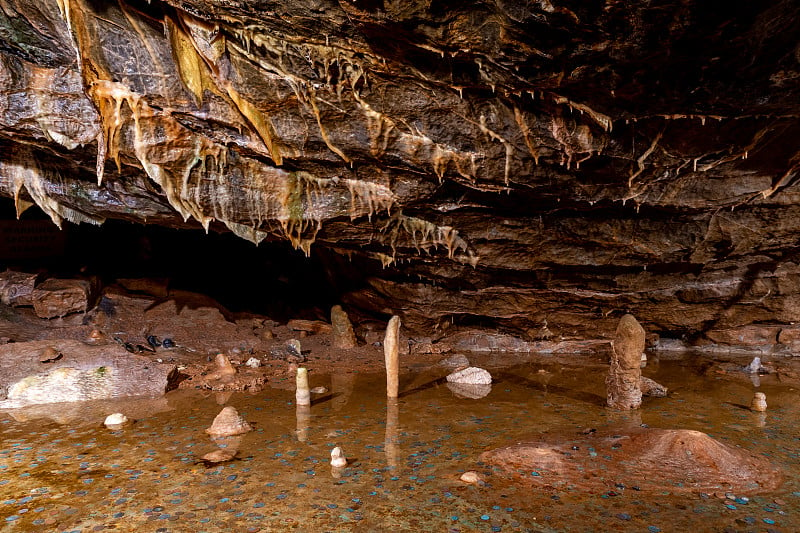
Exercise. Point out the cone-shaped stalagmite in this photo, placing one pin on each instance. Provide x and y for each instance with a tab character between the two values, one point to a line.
391	353
623	381
343	335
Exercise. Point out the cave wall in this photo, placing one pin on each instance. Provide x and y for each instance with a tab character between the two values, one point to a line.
512	165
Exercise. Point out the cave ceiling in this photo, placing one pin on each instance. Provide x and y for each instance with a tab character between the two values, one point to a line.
541	165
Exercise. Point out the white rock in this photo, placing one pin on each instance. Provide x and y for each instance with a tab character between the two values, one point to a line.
472	375
253	362
115	420
337	458
472	477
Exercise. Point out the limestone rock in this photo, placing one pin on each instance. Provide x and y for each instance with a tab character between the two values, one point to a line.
651	388
16	288
82	373
624	375
115	420
219	456
309	326
471	376
338	459
60	297
683	460
472	477
343	335
759	403
228	422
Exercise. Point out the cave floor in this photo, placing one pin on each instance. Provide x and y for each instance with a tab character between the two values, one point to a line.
62	470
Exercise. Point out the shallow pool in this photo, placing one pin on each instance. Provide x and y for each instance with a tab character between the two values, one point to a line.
61	470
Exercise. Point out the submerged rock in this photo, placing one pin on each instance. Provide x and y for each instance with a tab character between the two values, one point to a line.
652	388
228	422
220	456
472	477
471	376
677	460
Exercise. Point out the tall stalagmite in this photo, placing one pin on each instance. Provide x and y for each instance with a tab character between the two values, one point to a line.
623	381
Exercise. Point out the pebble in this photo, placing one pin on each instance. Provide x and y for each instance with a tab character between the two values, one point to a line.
253	362
472	478
115	420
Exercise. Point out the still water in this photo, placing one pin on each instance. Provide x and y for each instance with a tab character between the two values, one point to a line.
62	470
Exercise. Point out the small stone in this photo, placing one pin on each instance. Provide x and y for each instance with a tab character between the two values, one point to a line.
115	421
651	388
228	422
50	355
338	459
319	390
472	477
96	337
253	362
759	403
219	456
472	376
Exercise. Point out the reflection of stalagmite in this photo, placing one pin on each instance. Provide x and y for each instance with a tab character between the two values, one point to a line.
303	393
391	442
623	381
303	413
342	388
390	351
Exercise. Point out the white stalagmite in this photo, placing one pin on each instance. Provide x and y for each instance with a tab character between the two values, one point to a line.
303	394
391	353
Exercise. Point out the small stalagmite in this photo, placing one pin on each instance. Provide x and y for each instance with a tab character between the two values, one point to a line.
623	386
303	393
343	335
391	352
224	366
338	459
759	403
228	422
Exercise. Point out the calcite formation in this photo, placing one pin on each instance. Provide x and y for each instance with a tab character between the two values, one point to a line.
624	380
535	166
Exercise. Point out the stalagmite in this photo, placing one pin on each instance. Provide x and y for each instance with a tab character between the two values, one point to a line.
623	382
343	335
390	351
303	393
227	423
759	403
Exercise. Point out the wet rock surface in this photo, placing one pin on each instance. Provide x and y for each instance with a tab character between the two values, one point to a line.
535	167
81	373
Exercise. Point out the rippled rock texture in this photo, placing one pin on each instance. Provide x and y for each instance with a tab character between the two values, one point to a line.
541	167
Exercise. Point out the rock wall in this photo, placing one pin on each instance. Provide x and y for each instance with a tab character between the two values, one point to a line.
538	166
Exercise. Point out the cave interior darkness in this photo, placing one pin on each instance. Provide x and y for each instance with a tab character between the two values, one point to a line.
270	279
